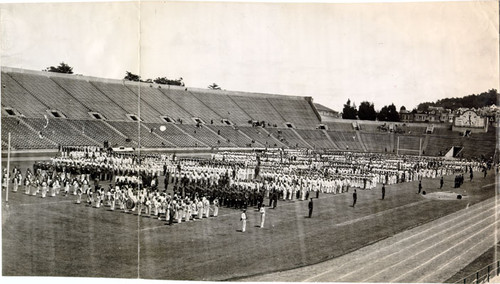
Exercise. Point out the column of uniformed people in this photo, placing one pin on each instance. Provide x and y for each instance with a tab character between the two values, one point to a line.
125	195
228	179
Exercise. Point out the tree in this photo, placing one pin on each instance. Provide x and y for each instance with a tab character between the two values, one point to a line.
131	76
214	86
366	111
349	112
388	113
62	68
166	81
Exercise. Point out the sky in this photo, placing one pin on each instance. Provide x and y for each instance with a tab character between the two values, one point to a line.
401	53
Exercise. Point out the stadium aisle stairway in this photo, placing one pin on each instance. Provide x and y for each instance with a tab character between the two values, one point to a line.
51	95
317	138
163	104
223	105
17	97
262	136
60	131
206	136
234	135
296	111
92	98
287	137
174	135
22	137
186	100
259	109
127	99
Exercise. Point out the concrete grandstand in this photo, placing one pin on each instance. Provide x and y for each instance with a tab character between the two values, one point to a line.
45	110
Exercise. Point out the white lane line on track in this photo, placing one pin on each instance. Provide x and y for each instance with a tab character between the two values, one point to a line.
488	185
434	257
422	251
458	215
416	243
421	280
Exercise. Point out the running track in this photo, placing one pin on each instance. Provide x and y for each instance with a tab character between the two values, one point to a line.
433	252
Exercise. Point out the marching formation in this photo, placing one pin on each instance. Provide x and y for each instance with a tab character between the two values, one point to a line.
235	180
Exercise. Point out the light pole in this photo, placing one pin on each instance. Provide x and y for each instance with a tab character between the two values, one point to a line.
8	172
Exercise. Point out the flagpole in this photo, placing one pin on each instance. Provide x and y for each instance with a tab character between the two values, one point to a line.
8	172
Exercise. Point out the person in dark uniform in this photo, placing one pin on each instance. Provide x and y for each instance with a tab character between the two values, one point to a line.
419	187
171	213
383	191
310	208
354	198
167	178
441	182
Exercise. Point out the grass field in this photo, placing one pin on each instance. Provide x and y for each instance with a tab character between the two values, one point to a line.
55	237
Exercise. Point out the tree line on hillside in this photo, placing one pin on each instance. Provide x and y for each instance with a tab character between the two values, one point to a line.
366	110
472	101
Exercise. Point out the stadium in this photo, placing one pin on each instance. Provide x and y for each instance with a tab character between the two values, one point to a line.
120	179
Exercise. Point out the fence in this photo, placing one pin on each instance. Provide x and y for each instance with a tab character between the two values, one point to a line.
483	275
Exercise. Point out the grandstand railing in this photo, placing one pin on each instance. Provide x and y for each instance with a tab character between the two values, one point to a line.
483	275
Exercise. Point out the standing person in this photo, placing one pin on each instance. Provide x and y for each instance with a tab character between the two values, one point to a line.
419	187
44	188
165	182
188	211
79	194
262	215
171	214
27	186
216	207
310	208
206	207
66	186
113	197
180	211
441	182
16	183
199	205
243	220
471	174
383	191
354	198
